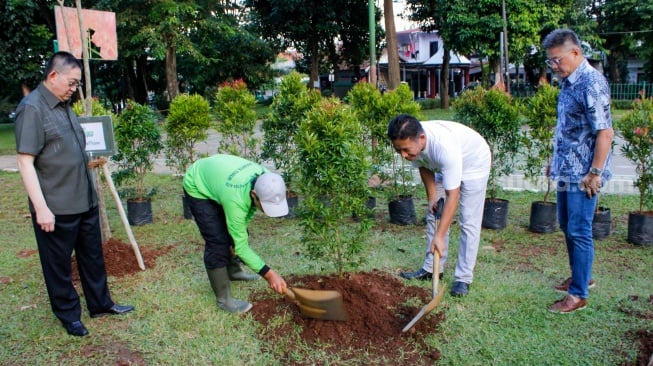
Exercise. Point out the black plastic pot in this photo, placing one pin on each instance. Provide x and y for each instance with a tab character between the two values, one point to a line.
495	213
544	217
139	212
601	223
187	212
402	210
640	228
370	204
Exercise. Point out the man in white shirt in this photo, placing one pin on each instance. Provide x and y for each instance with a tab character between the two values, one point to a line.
463	158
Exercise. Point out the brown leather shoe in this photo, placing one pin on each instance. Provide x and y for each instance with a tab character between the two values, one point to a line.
564	286
568	304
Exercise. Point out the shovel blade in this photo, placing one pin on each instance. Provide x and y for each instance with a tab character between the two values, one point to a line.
319	304
425	310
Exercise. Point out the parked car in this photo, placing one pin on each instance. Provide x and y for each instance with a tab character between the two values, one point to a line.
8	118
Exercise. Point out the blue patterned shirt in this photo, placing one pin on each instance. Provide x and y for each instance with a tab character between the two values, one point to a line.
583	110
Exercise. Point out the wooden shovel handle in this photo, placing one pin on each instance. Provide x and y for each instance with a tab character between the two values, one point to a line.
436	272
289	294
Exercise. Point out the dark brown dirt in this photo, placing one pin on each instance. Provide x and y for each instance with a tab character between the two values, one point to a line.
120	260
640	307
376	304
377	308
644	340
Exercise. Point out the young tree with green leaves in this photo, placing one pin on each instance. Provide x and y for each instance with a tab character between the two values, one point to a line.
332	173
187	124
287	110
236	119
493	114
541	118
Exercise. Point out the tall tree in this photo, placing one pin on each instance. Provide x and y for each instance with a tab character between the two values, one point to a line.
619	23
311	27
476	27
27	42
394	76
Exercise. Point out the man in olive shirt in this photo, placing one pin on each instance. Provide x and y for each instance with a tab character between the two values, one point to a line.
63	202
223	193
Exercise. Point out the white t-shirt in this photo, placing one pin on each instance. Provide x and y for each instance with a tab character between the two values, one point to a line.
455	150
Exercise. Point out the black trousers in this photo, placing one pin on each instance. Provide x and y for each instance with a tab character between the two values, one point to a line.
82	234
212	223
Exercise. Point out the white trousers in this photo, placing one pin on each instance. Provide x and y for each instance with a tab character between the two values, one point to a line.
472	201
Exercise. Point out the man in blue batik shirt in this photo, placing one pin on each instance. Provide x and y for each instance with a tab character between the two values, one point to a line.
581	158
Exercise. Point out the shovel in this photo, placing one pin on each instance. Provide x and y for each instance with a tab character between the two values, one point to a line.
437	292
318	304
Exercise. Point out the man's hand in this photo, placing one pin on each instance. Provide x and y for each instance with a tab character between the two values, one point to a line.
438	244
591	184
45	219
276	282
432	206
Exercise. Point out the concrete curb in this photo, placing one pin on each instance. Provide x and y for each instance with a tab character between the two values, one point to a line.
619	184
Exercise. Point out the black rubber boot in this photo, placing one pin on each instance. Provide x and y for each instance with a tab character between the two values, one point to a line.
221	286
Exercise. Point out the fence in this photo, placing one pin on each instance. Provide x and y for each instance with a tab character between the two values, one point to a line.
630	91
627	92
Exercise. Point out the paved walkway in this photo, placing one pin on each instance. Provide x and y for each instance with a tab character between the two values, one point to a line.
621	182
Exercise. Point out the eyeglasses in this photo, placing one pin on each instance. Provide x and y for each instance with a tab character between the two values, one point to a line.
555	60
75	84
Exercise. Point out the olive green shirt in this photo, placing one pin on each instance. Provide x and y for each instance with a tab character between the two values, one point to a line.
49	130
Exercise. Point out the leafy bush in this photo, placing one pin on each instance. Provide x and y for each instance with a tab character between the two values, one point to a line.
636	128
138	140
430	103
236	119
332	174
375	110
187	123
97	108
493	115
541	118
288	108
621	104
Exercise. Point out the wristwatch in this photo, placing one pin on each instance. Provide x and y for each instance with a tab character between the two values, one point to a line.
595	171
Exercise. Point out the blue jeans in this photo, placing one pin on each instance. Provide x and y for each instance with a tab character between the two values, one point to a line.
575	214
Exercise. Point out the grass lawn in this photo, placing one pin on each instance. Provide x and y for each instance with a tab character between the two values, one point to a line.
503	321
7	139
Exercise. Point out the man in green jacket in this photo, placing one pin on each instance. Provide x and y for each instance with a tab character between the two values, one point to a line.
224	192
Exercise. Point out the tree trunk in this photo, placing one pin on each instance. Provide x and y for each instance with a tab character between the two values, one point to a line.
315	71
495	67
136	72
172	85
444	79
615	75
394	75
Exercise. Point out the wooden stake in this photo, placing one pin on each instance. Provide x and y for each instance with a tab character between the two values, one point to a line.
104	219
121	211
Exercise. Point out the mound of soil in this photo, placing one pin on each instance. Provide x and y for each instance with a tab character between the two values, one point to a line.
376	303
120	260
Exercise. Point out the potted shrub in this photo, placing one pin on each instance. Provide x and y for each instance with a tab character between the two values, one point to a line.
332	179
541	118
496	118
288	108
375	110
636	128
187	123
236	119
138	141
